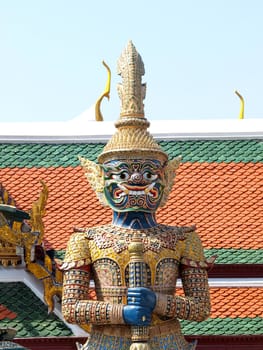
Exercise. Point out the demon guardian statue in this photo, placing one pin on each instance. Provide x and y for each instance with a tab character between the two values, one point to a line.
134	261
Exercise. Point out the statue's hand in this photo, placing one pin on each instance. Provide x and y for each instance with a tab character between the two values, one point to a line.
137	315
141	296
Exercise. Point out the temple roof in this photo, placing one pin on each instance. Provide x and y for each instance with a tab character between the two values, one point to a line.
218	187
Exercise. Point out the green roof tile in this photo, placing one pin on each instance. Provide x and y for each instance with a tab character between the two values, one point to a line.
216	150
224	326
55	155
59	254
32	318
236	256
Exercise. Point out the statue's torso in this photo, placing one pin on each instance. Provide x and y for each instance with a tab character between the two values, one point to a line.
109	256
105	250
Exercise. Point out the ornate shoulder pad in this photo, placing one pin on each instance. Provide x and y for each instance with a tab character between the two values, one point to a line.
192	253
206	264
184	230
77	253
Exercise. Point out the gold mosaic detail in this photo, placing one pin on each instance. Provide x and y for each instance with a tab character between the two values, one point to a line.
21	242
78	252
93	173
194	305
169	176
131	92
154	239
132	140
110	243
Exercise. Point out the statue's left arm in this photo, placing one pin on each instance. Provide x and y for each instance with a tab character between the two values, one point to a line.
195	304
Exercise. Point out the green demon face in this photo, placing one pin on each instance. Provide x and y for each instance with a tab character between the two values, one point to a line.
133	185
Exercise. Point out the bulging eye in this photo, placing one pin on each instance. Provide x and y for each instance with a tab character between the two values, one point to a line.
124	175
149	176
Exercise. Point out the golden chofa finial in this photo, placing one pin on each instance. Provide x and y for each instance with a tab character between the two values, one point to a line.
106	93
242	103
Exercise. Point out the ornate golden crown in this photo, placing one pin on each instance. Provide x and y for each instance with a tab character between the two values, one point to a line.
131	140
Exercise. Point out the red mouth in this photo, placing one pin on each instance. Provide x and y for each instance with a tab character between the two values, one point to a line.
136	188
154	193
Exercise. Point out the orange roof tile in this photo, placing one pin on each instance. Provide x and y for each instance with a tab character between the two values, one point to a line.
6	313
235	302
224	200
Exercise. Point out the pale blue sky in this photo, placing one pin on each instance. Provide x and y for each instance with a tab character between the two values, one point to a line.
196	53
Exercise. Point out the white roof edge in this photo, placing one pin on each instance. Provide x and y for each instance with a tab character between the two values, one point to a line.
209	136
233	282
92	131
105	138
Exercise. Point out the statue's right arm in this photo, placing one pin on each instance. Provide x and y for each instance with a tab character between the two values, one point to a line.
77	307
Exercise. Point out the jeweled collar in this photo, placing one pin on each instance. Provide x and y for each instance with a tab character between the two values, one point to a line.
154	238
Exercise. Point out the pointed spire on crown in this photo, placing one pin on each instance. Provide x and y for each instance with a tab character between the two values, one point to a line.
131	140
131	92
